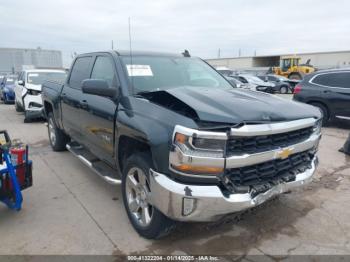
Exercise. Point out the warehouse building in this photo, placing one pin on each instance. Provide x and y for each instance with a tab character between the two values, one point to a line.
13	60
320	60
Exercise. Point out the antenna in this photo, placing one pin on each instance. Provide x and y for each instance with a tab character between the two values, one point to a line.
131	65
112	45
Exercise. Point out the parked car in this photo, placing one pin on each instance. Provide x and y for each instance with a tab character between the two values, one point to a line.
28	90
183	144
7	93
235	82
283	85
329	90
255	83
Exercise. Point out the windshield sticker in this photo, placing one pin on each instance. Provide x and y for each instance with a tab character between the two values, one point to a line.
139	70
35	75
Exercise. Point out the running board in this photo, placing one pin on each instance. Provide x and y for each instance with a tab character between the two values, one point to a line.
96	165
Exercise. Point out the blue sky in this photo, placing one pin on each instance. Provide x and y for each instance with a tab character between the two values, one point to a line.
201	26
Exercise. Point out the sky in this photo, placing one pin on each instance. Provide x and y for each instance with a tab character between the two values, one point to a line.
201	26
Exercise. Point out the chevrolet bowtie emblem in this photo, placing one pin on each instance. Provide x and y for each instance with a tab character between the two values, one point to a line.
283	154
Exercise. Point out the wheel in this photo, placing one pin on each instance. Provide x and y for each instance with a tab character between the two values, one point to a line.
325	113
284	89
145	218
26	118
58	139
18	107
295	76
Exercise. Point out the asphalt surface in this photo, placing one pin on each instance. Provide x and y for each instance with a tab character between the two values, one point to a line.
69	210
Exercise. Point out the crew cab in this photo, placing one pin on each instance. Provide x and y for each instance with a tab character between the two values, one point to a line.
28	90
182	142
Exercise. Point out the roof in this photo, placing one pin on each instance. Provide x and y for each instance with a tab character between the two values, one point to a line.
135	53
43	70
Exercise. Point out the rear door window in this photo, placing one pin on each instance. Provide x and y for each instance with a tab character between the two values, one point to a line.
80	71
339	79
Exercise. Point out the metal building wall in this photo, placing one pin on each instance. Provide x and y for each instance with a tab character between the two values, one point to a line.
13	59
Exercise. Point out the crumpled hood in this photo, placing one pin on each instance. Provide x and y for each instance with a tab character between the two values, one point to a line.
33	87
237	105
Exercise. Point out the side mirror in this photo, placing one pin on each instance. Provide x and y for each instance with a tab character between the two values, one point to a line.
98	87
21	82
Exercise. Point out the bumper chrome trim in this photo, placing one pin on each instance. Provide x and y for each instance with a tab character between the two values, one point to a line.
210	204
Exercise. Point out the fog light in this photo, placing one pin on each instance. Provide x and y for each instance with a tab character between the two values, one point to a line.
188	206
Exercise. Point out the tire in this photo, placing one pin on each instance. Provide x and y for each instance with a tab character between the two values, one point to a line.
58	139
18	107
325	113
284	89
148	222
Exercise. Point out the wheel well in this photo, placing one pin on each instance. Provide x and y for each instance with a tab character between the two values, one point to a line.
48	107
128	146
312	102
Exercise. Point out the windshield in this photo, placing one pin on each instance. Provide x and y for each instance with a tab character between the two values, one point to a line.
38	78
153	73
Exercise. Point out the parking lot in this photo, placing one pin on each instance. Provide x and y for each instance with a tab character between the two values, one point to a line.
69	210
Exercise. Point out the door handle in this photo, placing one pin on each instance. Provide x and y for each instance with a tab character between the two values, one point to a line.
84	104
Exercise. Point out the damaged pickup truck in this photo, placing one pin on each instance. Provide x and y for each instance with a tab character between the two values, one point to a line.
182	142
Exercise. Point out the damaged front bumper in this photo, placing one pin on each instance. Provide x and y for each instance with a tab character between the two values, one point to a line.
183	202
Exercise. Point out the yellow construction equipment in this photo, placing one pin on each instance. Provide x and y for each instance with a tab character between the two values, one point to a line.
290	67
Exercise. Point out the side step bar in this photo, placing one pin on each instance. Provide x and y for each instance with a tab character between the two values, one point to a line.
107	173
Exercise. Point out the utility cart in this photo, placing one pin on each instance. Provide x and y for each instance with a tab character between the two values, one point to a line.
15	171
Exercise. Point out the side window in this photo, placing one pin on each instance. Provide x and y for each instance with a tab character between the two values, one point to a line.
104	69
80	71
341	79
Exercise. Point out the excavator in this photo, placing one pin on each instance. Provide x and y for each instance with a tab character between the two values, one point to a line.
291	68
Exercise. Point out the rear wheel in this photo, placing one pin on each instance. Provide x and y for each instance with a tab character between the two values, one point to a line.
325	113
145	218
58	139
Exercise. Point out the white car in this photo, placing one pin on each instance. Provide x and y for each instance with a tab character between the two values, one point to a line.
255	83
28	90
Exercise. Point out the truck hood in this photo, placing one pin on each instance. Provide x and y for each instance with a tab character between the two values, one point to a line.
234	105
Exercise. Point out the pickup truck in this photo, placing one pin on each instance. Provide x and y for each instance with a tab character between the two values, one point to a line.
182	142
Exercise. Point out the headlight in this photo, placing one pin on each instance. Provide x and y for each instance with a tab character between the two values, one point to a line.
199	144
318	126
6	89
33	92
188	145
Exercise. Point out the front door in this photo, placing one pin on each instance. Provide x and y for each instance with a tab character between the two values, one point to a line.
71	97
99	112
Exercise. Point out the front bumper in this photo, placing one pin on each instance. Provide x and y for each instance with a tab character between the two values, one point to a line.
33	105
209	203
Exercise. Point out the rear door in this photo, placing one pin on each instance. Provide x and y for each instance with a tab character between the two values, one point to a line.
98	112
336	90
72	95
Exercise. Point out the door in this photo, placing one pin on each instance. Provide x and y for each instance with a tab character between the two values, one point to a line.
336	91
98	113
19	89
72	95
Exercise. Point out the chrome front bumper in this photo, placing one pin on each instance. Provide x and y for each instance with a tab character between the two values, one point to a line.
209	203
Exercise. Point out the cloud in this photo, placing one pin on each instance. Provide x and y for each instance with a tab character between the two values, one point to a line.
201	26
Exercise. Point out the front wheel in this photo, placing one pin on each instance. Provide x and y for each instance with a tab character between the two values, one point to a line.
145	218
58	139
